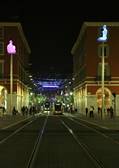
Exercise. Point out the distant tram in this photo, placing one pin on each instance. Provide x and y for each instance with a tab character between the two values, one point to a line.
58	108
47	106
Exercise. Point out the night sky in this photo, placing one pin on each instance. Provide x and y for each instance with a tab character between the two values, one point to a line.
52	29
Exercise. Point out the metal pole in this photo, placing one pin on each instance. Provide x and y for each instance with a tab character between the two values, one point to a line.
11	81
103	95
114	106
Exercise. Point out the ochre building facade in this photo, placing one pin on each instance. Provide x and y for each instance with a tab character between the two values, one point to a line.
20	95
87	70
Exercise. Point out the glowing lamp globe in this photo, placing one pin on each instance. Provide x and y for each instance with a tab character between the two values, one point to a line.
11	49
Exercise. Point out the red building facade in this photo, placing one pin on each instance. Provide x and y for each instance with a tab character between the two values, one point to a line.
87	58
14	32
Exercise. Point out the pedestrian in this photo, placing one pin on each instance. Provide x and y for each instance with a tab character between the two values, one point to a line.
108	112
99	110
71	109
14	111
86	111
23	110
111	112
75	109
91	111
4	110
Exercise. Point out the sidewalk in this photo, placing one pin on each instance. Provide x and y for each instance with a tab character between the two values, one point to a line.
10	120
106	123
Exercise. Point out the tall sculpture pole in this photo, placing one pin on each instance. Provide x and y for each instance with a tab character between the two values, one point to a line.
11	49
103	38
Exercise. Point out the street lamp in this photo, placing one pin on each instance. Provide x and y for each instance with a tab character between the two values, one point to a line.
103	38
11	49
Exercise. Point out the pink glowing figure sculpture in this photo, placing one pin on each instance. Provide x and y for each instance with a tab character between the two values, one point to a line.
11	49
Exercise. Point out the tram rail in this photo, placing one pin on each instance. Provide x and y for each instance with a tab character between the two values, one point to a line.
42	137
97	130
97	163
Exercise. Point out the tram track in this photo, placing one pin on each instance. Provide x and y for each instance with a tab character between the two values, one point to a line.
98	141
97	163
90	154
63	130
56	141
8	132
105	134
36	146
24	141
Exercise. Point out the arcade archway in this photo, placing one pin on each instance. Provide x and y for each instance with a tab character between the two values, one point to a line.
3	97
107	99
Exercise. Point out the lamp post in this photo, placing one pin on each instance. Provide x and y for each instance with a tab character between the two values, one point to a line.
11	49
103	38
103	79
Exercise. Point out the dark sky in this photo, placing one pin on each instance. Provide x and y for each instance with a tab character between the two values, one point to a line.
52	40
52	29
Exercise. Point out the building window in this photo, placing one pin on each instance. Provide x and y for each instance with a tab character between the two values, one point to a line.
1	33
106	71
106	50
1	48
1	69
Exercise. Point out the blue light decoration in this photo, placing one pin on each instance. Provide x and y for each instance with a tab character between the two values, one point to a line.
50	86
103	33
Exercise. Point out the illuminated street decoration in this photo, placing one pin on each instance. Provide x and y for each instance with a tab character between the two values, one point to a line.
11	49
103	38
104	33
50	86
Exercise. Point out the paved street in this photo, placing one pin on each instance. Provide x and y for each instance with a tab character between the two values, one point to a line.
63	141
107	123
